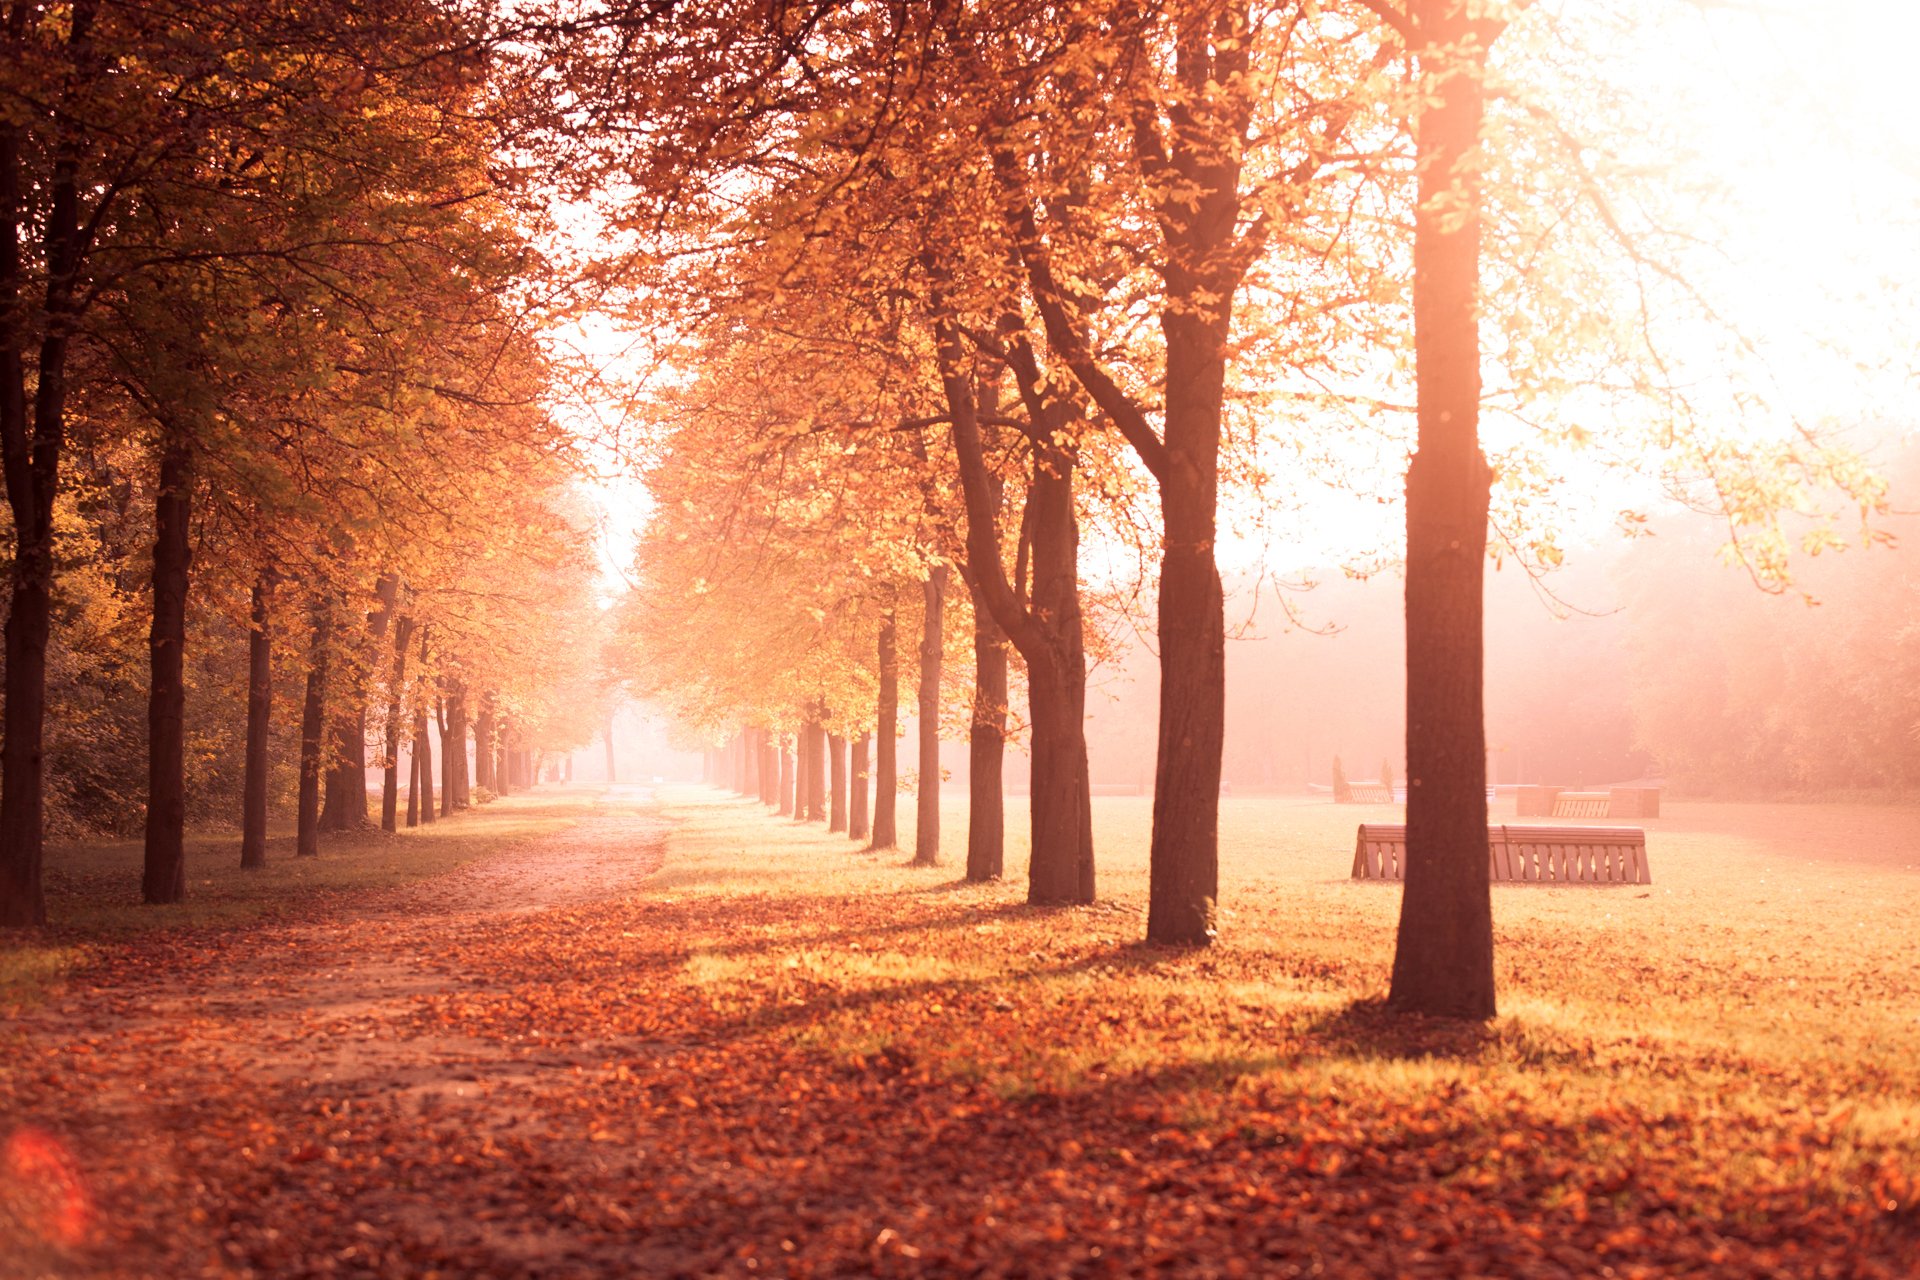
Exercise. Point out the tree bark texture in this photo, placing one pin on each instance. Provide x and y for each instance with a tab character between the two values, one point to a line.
858	827
926	829
31	442
396	725
802	767
253	790
164	877
313	723
345	807
785	801
1047	629
446	755
1443	955
986	750
886	777
816	772
483	750
837	780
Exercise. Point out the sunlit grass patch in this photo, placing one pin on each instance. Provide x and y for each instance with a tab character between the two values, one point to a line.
28	972
1741	1030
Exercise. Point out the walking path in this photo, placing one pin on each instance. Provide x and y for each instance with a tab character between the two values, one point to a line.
287	1034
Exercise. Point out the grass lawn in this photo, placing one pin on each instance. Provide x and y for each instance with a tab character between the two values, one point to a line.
1720	1070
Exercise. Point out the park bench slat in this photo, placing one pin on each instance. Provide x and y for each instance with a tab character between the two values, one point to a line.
1531	855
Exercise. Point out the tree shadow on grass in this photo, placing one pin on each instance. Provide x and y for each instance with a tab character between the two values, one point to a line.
1369	1030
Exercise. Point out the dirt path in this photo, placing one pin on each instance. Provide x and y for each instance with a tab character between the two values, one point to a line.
278	1025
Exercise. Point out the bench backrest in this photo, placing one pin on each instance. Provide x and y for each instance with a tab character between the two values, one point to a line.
1583	804
1535	855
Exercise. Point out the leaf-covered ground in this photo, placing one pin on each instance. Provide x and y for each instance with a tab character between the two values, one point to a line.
691	1039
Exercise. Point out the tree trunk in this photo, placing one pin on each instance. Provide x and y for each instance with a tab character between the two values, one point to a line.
22	820
608	732
345	807
253	791
1184	860
926	831
800	772
769	768
1443	957
857	825
423	764
455	749
483	775
313	722
886	777
986	750
816	772
31	461
1060	867
837	773
413	786
396	691
165	873
1050	634
787	769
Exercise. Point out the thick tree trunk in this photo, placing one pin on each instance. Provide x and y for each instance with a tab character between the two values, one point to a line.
886	739
345	808
253	791
1060	867
1184	859
165	872
837	775
396	723
816	739
857	825
30	455
986	750
1049	635
1443	957
926	831
22	820
455	749
313	724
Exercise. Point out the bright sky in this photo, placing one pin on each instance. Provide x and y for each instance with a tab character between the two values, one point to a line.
1804	113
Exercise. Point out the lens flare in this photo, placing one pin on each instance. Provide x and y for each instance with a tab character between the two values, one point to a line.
41	1187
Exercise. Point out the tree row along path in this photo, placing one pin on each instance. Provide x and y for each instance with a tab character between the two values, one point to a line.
684	1037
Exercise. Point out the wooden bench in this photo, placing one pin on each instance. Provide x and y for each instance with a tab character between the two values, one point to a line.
1560	802
1583	804
1531	855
